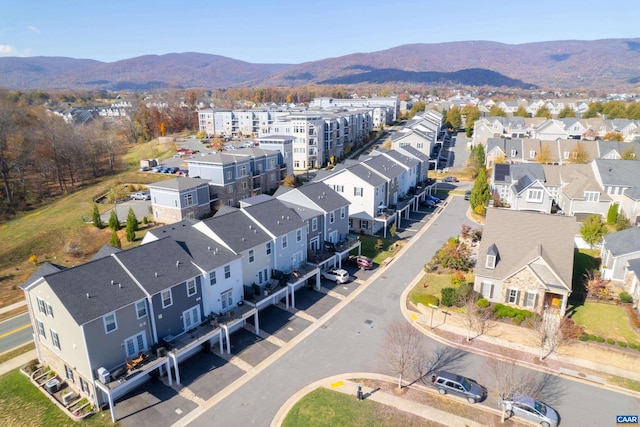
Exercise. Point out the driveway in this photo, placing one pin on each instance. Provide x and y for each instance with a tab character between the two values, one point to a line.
141	208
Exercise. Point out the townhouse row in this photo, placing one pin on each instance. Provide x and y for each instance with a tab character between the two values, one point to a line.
189	285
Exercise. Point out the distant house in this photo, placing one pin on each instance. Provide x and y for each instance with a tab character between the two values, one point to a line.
522	187
525	259
618	249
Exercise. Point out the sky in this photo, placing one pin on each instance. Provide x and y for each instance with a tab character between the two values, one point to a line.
294	31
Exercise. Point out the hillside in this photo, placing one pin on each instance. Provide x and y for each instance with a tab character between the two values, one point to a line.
611	64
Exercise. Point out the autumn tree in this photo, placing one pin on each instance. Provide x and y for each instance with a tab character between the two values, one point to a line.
496	111
613	136
521	112
543	112
594	110
415	109
471	114
628	154
544	156
454	118
401	348
566	112
579	154
593	230
290	181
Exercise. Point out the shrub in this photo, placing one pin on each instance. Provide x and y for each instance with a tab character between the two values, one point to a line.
465	293
502	311
626	297
584	337
622	344
599	339
633	346
519	318
457	279
633	314
569	329
449	296
592	337
611	341
483	303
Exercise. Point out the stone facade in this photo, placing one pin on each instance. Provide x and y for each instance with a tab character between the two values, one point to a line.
169	215
523	281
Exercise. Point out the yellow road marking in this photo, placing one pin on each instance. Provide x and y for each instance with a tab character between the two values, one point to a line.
414	317
28	325
337	384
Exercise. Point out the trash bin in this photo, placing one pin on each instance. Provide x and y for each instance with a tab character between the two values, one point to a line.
52	385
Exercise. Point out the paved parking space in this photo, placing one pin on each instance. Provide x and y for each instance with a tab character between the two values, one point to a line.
343	289
152	404
206	374
250	347
314	303
280	323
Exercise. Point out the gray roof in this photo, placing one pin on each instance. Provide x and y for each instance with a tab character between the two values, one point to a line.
275	216
522	183
522	238
206	252
384	166
236	229
158	265
180	183
367	175
106	251
414	152
303	212
532	170
45	269
401	158
94	289
323	196
623	242
634	266
618	172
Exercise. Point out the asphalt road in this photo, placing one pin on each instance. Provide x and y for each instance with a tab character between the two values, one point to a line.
15	332
352	341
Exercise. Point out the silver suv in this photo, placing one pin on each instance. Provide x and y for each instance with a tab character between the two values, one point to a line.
446	382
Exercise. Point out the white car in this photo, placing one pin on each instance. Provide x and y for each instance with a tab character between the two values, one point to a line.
338	275
141	195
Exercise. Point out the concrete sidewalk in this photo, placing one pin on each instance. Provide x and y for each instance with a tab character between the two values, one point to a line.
8	308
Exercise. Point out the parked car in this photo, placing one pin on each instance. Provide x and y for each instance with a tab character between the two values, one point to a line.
338	275
530	409
467	194
141	195
447	382
428	203
449	179
360	261
434	199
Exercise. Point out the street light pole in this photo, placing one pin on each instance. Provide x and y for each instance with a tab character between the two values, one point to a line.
433	308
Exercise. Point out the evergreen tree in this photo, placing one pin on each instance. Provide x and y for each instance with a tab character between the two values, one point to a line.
114	222
612	214
476	159
132	226
622	223
115	241
481	192
97	221
592	230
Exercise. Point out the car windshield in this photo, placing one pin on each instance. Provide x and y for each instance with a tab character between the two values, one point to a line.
540	407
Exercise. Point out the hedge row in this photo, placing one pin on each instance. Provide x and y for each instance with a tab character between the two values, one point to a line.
610	341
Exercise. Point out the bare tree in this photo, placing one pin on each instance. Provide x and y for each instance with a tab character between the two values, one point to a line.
432	361
508	378
547	328
476	319
402	346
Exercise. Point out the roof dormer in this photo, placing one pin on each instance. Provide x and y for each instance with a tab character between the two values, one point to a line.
492	257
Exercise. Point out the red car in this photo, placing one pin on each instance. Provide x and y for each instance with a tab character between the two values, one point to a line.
360	261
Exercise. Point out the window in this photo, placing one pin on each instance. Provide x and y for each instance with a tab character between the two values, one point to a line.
332	217
167	300
84	386
191	318
68	372
135	344
41	307
41	331
298	235
212	278
314	224
141	309
244	185
55	339
343	212
226	298
514	153
243	170
357	191
227	271
491	262
284	242
251	256
229	175
534	195
110	323
591	196
230	189
191	287
532	153
512	296
364	225
530	299
420	145
487	290
49	309
268	248
339	188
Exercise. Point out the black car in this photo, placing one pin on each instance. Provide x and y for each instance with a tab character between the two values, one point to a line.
467	194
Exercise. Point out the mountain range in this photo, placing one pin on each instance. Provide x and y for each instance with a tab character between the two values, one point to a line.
610	64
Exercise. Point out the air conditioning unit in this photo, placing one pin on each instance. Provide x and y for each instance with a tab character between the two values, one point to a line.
67	398
104	375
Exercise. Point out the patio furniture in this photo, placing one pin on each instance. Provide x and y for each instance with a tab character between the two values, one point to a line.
133	363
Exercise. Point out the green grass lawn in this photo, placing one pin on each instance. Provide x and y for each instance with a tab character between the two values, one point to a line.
583	261
329	408
24	405
368	248
605	320
432	284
